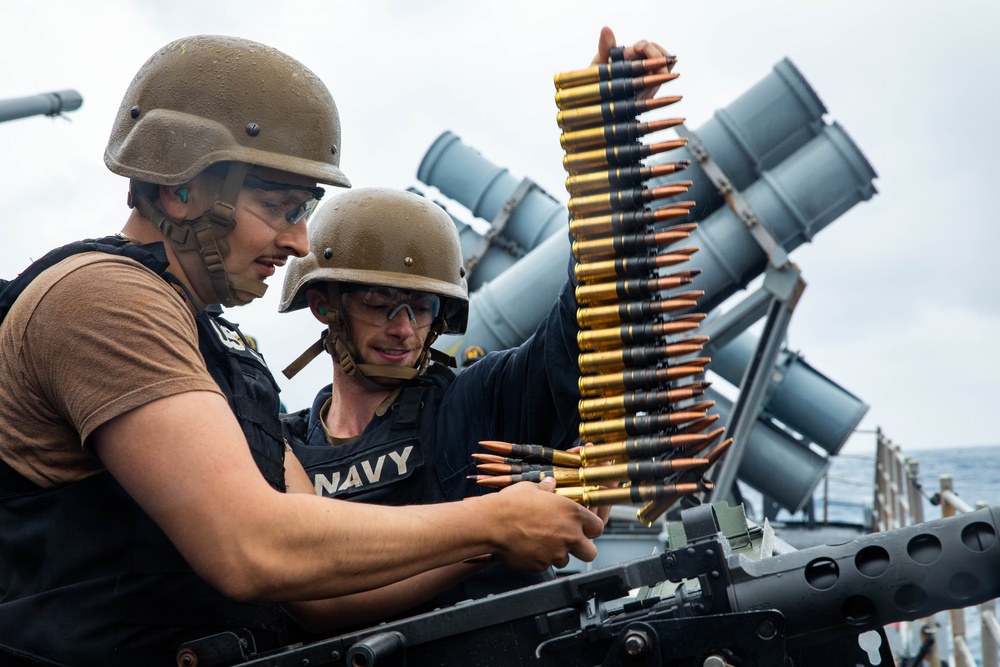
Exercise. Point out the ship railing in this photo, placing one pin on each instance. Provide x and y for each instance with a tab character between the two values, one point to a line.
899	502
952	505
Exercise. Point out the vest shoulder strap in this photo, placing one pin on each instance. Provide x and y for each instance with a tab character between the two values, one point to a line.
151	255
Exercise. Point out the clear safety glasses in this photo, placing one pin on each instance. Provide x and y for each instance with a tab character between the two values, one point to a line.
280	204
377	305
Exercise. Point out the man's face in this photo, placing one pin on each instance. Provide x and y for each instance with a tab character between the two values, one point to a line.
389	326
270	224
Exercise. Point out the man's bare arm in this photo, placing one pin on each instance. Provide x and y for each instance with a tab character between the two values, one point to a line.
325	615
185	461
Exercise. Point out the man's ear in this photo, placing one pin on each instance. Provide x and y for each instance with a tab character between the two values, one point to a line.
318	304
174	200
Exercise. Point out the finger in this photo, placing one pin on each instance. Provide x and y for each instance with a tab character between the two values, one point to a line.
645	49
605	43
654	50
637	51
585	551
591	524
603	513
548	485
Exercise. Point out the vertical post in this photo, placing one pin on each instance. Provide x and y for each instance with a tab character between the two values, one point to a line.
913	486
991	650
888	470
826	498
947	484
899	510
987	611
957	615
894	485
933	657
878	507
904	490
928	625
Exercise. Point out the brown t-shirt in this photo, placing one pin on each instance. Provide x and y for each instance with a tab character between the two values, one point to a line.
90	339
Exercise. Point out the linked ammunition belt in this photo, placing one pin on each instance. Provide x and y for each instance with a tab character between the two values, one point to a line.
648	439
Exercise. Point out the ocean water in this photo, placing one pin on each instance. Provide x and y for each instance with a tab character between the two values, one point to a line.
975	472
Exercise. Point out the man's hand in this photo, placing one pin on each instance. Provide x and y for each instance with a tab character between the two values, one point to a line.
538	528
639	51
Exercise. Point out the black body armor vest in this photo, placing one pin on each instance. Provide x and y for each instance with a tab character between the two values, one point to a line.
86	577
391	464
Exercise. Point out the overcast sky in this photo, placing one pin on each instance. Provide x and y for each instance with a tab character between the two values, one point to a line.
901	306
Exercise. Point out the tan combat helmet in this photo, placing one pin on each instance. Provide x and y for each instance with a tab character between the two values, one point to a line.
207	99
382	237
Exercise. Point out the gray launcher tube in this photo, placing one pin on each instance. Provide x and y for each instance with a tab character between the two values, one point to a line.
774	463
794	201
756	132
799	396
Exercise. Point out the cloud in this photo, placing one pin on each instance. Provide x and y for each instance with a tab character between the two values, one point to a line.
901	306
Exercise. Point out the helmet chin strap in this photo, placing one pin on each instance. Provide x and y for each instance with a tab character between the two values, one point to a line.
201	243
336	342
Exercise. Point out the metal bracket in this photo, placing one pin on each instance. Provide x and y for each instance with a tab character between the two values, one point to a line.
723	329
224	648
497	225
776	255
785	286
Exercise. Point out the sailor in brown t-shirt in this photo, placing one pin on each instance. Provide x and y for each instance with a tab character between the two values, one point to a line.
143	476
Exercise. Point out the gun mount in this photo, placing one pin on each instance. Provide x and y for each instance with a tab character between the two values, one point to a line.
48	104
708	601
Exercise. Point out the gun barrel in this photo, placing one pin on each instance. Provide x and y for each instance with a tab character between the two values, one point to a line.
47	104
899	575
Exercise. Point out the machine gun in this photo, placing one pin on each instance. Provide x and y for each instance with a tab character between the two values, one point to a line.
715	598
